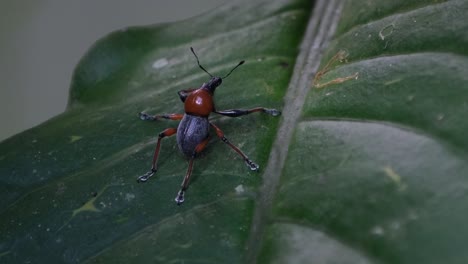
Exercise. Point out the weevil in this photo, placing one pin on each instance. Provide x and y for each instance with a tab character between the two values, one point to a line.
193	132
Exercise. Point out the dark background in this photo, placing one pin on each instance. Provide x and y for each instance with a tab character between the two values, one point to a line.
41	42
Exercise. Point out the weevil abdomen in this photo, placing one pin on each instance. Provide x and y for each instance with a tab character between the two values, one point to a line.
192	131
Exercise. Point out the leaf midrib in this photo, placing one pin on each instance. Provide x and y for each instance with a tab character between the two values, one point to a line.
320	29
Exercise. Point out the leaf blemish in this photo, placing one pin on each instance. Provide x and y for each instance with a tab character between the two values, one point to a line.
129	197
440	117
284	64
386	31
74	138
87	207
395	178
392	82
341	56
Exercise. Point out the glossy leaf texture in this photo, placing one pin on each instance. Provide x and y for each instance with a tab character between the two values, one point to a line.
68	189
377	171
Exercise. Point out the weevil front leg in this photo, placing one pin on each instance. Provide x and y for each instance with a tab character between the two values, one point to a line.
241	112
185	183
252	165
166	133
144	116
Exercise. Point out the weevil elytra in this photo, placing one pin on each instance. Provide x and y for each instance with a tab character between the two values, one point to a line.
194	127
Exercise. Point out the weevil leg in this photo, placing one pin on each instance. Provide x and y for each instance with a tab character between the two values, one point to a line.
252	165
166	133
145	116
241	112
185	183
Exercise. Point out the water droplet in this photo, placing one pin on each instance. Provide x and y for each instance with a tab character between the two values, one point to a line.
239	189
377	230
395	225
129	197
413	216
160	63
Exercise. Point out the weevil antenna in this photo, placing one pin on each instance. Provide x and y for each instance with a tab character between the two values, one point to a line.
240	63
198	62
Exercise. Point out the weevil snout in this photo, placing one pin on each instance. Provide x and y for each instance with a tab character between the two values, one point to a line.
213	83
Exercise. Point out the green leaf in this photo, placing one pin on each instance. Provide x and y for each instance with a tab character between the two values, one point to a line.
367	164
378	165
68	187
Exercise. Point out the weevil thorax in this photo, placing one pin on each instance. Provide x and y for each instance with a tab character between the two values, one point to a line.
200	102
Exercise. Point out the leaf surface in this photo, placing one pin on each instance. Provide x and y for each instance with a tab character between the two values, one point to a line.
68	187
377	168
367	164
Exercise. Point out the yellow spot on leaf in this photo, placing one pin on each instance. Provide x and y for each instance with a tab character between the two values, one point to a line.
75	138
89	205
395	178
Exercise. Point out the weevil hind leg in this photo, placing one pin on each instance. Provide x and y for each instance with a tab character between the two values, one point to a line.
145	177
252	165
180	198
241	112
154	167
272	112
